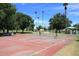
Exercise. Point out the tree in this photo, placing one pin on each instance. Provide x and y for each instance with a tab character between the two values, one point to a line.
59	22
18	20
77	26
21	21
2	16
24	24
10	20
7	17
31	23
39	27
31	26
24	21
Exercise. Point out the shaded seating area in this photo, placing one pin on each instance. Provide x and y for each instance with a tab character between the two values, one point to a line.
71	30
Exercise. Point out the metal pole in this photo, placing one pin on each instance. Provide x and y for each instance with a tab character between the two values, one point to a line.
42	17
65	11
38	21
36	17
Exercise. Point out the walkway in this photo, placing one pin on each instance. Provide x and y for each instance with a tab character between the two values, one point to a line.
70	50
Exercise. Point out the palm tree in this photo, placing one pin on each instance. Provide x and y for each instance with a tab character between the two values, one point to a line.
65	7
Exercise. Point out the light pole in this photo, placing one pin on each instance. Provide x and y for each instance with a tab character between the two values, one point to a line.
38	21
42	17
35	14
36	17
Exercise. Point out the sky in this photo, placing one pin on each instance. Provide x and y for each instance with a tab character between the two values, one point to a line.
50	9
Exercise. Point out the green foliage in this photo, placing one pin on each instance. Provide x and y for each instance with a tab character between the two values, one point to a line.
10	20
24	21
7	11
59	21
2	16
39	27
77	26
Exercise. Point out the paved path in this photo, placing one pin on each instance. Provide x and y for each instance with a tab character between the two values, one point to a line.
70	50
28	44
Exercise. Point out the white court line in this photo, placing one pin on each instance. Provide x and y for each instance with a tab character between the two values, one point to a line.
47	48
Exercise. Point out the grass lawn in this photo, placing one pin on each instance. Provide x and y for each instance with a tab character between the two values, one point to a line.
70	50
77	38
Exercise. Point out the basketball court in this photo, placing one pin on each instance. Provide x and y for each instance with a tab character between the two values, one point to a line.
32	44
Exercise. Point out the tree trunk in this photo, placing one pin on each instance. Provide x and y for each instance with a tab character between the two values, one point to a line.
22	30
3	30
56	32
7	30
17	30
59	31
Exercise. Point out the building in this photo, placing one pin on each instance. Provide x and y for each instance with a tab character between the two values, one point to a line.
71	30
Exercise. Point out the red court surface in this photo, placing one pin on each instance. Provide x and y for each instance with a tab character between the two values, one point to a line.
30	45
